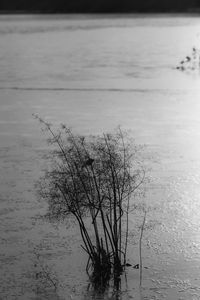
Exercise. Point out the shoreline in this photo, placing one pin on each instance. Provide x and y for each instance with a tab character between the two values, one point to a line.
117	12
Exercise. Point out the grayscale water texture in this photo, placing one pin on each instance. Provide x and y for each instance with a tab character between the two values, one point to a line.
94	73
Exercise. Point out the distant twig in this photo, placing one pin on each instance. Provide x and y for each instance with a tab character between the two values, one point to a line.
140	246
44	274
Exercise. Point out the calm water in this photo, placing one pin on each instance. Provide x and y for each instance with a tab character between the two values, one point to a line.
94	73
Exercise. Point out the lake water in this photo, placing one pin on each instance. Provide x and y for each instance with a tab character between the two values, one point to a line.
94	73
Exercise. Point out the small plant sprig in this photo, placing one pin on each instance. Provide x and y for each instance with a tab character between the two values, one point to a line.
45	277
190	62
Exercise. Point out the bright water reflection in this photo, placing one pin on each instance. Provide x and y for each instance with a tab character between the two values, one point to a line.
94	73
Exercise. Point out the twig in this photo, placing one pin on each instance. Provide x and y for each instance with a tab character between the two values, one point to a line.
140	246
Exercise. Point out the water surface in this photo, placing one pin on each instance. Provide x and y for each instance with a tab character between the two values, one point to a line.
94	73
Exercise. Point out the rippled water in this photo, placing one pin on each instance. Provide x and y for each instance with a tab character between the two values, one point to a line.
94	73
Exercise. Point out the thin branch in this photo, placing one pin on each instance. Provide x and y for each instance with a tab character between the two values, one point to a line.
140	246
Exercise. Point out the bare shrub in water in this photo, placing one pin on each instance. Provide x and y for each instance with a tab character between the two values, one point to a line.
94	177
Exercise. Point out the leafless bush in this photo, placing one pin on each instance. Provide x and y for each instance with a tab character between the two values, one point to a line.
94	177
